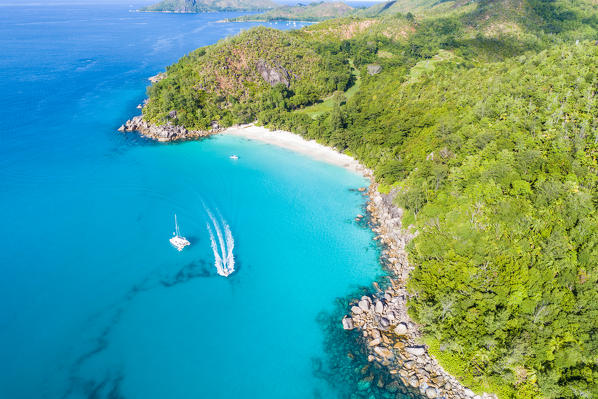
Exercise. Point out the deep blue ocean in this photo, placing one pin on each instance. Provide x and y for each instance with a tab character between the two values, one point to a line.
94	301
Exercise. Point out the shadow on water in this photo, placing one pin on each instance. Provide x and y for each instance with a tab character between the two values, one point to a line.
189	272
108	387
344	365
193	240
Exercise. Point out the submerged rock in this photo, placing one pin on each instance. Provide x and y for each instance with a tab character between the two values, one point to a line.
364	384
348	323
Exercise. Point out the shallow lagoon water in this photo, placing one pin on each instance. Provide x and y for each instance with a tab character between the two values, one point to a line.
94	302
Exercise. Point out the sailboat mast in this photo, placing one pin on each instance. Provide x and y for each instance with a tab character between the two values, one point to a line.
176	226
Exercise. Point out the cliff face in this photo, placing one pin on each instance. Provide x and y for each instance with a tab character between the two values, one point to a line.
191	6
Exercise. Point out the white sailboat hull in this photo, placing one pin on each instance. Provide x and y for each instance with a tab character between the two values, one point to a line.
179	242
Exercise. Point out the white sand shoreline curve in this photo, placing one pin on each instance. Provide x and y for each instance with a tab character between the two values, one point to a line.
296	143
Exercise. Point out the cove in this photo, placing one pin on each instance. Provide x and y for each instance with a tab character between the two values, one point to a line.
94	302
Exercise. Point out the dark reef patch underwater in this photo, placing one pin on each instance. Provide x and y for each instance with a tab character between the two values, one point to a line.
109	386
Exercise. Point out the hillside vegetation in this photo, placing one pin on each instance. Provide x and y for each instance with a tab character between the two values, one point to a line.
483	119
228	82
302	12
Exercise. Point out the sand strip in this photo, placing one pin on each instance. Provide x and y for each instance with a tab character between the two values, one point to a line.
294	142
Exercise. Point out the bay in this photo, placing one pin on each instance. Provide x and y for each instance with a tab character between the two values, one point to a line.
93	299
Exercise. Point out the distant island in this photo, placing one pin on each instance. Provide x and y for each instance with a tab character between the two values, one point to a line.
313	12
194	6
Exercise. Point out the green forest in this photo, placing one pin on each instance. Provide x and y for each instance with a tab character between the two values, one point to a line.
483	117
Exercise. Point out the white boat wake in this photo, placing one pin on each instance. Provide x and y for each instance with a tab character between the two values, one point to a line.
223	244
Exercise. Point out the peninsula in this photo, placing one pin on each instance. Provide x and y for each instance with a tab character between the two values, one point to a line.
478	121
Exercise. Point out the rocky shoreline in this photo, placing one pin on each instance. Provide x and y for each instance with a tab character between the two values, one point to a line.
166	132
392	340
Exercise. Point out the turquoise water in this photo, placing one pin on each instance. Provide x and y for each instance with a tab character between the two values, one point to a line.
94	302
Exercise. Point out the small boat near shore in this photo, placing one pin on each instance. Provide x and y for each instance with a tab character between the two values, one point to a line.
177	240
234	157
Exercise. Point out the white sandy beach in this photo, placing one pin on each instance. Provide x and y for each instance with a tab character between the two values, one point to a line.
296	143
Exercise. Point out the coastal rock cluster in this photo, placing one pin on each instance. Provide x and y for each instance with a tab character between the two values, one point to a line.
157	78
391	339
166	132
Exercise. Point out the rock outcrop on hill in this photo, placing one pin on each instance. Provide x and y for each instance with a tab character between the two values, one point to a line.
273	74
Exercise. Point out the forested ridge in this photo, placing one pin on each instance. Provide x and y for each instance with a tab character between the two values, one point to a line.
483	118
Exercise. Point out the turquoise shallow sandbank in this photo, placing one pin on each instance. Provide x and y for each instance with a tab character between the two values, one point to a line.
94	301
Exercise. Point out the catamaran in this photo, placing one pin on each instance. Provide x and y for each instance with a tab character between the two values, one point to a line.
177	241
